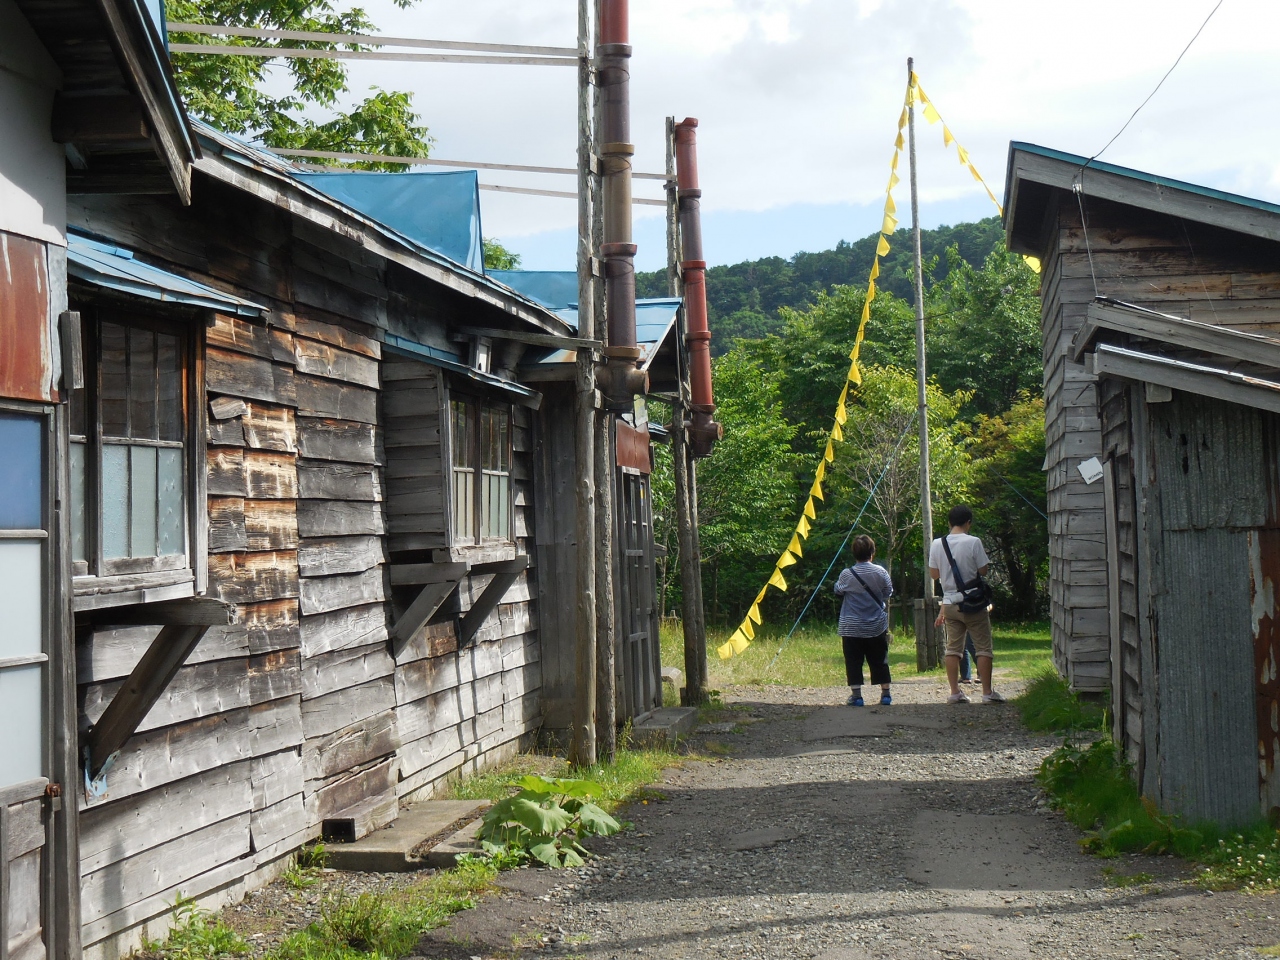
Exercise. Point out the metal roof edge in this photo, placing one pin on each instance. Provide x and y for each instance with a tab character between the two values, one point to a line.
434	356
441	269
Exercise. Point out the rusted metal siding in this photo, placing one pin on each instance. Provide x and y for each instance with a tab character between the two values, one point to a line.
1264	570
26	369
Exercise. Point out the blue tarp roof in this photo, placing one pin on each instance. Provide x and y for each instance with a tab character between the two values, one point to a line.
551	288
439	210
106	265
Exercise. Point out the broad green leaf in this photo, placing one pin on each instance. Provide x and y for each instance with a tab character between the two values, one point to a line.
539	818
548	852
595	821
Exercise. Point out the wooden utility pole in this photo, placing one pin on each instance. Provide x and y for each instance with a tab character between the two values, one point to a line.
924	632
582	745
693	616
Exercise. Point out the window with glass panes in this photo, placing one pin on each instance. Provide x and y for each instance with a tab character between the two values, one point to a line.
128	451
481	488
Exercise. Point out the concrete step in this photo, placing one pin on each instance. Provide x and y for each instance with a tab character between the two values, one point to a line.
399	847
664	726
445	854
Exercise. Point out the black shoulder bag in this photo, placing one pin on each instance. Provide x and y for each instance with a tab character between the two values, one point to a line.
870	592
976	594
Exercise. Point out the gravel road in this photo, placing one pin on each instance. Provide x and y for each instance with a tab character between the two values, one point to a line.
822	831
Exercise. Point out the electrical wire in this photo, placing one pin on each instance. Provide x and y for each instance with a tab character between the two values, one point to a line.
858	519
1020	493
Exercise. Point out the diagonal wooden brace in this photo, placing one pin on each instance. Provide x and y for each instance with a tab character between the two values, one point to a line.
504	575
440	580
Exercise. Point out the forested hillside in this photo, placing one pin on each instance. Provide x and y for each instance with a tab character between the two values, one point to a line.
743	298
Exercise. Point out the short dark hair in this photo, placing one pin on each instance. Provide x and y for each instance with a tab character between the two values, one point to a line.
864	548
960	515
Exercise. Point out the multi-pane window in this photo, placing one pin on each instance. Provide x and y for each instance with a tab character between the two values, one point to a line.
481	489
128	462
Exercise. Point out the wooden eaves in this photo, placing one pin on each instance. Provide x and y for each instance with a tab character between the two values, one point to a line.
1140	322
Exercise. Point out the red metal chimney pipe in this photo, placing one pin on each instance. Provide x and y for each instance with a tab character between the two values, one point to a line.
703	431
620	380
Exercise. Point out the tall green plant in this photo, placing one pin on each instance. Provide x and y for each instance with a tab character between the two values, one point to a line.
546	820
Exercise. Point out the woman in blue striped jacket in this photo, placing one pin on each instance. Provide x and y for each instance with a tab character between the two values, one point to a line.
864	620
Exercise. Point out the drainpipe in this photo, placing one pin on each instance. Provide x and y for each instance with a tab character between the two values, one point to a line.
620	380
703	431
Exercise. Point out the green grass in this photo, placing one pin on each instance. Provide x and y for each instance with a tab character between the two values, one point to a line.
813	657
196	935
1048	704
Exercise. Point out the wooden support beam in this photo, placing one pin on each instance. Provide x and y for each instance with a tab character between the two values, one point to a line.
412	574
537	339
97	119
188	612
153	673
504	575
420	611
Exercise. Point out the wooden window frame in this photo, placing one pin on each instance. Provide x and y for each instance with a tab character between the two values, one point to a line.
476	405
97	581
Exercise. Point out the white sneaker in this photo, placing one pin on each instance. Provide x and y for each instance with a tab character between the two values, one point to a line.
992	697
958	698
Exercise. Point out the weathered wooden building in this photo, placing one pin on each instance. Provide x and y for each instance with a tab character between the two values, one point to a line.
1162	359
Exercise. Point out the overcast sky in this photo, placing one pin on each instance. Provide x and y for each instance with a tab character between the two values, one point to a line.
797	102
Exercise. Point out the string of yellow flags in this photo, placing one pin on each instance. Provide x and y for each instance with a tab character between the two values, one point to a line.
741	638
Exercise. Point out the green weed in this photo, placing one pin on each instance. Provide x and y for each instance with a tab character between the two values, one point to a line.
546	820
196	935
1049	704
1114	878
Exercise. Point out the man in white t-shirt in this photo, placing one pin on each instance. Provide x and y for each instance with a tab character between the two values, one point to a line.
971	561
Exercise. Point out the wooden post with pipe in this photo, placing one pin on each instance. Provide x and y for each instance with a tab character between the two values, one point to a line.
582	741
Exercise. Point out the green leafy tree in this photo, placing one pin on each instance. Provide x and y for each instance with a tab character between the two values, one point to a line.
233	93
984	330
1009	505
498	257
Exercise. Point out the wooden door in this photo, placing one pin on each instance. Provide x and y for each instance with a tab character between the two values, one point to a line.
26	440
639	667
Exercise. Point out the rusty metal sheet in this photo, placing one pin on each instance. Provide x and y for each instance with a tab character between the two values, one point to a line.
25	362
1264	574
632	447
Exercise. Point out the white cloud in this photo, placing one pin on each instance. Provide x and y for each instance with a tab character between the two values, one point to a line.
798	98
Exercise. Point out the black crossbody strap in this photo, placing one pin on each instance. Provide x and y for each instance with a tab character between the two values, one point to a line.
873	594
961	585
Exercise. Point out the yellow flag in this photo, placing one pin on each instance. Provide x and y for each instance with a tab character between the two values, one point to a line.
822	470
875	268
889	205
842	415
760	595
866	311
893	177
899	142
893	164
754	613
964	155
802	528
871	291
973	171
902	120
889	225
947	138
844	395
747	629
930	113
1033	263
829	454
882	248
785	560
836	432
816	490
794	545
855	374
778	580
739	643
809	511
725	650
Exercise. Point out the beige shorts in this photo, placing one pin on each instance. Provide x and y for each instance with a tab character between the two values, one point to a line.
977	625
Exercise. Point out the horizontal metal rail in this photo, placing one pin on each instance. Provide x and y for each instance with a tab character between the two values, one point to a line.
298	53
434	162
368	39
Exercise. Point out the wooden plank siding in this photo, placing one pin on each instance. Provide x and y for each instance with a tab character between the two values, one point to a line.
323	469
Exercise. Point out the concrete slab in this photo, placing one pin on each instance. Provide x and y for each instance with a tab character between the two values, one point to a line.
445	854
392	849
833	723
665	725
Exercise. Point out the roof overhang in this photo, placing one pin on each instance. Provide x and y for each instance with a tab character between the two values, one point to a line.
1200	379
1037	176
1141	323
261	175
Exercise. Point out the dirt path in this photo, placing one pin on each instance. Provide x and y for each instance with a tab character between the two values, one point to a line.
906	832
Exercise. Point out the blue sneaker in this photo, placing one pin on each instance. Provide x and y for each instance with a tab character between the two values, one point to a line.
855	702
886	700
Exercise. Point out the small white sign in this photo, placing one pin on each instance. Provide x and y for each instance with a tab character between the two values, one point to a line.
1091	470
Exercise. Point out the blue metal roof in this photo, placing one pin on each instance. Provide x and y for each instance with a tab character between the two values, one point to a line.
654	320
551	288
438	210
106	265
1132	174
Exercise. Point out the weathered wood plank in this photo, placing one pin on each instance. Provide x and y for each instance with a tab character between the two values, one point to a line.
225	471
269	475
338	481
249	377
270	525
351	746
338	336
270	428
239	334
259	628
432	640
346	440
250	577
323	360
226	524
110	653
278	821
276	777
275	675
228	432
339	518
318	397
198	690
323	594
376	781
352	627
330	555
344	669
324	715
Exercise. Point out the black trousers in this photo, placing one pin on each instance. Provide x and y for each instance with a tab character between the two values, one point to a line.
876	652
